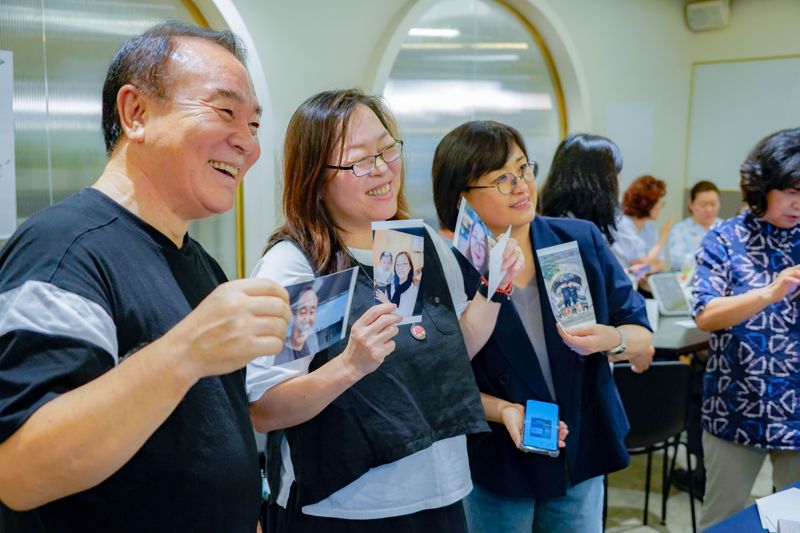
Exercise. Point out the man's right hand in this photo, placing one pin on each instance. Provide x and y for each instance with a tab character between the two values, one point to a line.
238	321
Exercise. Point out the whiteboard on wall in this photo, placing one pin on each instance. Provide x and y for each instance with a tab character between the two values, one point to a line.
734	105
630	124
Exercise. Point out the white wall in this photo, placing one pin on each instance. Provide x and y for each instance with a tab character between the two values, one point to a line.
623	62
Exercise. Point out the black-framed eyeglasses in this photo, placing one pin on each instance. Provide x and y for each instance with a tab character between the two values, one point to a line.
505	184
366	165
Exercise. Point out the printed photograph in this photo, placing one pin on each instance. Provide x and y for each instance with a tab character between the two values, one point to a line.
565	281
319	314
472	238
398	259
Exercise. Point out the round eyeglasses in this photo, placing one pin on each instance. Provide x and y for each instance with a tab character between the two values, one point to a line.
505	184
366	165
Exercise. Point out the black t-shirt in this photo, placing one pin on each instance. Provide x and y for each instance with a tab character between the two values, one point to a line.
83	285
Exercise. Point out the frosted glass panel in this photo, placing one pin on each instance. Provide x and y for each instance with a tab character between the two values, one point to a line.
61	53
468	60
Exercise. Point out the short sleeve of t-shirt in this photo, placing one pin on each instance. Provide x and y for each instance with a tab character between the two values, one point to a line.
56	333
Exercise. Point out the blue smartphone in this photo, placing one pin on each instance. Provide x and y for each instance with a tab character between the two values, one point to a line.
540	430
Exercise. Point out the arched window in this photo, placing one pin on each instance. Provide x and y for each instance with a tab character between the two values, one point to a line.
471	60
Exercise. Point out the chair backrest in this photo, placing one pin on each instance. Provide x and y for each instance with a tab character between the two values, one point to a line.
655	401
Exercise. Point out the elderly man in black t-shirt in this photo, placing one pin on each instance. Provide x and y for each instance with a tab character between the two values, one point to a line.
122	401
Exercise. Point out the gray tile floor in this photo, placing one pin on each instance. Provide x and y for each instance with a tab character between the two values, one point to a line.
626	499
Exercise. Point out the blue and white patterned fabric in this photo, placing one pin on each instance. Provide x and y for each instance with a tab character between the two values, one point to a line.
752	379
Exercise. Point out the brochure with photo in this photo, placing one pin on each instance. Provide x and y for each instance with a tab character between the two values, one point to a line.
320	309
398	260
566	285
475	241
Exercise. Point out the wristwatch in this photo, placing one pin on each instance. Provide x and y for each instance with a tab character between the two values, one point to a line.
621	347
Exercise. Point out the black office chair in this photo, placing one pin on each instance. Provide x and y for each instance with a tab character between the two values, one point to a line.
657	403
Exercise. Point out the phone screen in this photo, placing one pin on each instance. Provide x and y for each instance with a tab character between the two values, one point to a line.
540	431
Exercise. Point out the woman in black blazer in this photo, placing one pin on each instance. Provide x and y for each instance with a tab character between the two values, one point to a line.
529	357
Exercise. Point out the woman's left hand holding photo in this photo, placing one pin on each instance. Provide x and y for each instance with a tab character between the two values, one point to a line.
513	262
370	339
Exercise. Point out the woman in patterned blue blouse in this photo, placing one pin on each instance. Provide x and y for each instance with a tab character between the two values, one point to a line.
747	277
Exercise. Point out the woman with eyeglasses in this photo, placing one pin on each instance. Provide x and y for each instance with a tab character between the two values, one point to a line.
744	293
374	426
685	236
529	357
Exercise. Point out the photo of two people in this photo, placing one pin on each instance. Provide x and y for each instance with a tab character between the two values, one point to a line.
320	309
571	294
398	259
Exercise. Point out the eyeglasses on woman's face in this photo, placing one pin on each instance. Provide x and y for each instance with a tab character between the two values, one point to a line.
366	165
505	184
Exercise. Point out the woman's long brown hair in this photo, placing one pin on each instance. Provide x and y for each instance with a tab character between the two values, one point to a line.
315	131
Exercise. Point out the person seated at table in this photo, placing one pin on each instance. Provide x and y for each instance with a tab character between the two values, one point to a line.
638	244
746	280
685	236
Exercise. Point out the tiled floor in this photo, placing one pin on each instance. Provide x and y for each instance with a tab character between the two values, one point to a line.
626	499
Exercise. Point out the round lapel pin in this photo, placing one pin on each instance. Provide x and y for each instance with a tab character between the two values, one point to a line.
418	332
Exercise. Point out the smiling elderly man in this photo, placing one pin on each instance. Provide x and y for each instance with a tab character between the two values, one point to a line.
122	400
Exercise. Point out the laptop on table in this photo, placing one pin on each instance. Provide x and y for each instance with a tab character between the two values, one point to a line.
669	294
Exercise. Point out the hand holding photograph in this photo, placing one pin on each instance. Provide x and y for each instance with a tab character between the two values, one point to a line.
320	309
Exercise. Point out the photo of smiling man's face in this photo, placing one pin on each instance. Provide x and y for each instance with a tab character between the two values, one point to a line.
304	315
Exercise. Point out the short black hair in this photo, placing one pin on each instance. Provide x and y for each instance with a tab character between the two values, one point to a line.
702	186
464	155
584	182
143	61
774	163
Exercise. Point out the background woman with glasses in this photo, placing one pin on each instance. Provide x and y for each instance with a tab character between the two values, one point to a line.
528	357
371	442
